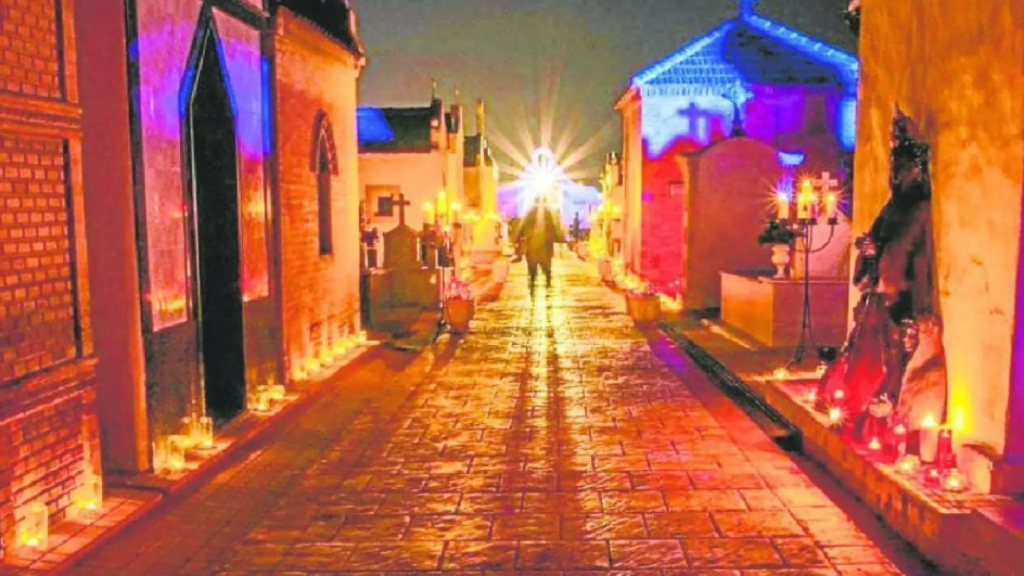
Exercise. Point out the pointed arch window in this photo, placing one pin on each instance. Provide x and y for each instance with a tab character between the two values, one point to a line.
324	163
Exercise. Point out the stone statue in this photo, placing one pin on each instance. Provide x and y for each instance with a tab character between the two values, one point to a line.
895	347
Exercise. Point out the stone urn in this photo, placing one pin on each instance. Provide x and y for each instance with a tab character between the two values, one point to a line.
643	308
499	270
780	259
460	312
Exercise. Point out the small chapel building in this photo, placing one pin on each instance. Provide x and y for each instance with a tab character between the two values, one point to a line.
750	77
415	155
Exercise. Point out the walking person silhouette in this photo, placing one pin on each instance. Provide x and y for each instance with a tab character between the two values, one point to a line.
539	232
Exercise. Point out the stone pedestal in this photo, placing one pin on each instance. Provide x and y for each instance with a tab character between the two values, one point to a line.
770	309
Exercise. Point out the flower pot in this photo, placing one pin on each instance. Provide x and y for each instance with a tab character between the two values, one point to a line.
499	270
780	259
460	312
643	309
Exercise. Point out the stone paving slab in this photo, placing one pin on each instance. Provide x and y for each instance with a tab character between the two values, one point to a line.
555	438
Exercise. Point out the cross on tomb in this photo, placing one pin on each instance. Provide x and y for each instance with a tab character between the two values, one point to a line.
402	203
826	184
694	116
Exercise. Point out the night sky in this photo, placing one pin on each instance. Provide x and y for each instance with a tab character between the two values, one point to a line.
524	55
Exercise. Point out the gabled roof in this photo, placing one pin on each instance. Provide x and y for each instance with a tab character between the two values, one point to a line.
334	17
747	50
394	129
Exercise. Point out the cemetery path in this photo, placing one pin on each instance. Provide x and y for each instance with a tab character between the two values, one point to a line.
555	438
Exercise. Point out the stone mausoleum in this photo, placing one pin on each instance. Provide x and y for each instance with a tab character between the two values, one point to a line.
749	77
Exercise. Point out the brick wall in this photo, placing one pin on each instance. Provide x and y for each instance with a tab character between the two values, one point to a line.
48	428
320	294
29	62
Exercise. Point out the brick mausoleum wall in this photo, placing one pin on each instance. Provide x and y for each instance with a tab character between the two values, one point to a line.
320	294
49	437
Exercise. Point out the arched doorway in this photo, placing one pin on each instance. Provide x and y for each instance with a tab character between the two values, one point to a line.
213	155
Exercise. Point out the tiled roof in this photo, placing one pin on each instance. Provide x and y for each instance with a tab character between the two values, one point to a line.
745	51
394	129
334	17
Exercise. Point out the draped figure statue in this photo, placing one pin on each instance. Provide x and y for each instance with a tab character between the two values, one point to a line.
893	361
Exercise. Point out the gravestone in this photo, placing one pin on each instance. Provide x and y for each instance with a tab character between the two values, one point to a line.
405	288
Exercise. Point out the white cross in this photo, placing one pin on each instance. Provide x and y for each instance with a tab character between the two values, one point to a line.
826	184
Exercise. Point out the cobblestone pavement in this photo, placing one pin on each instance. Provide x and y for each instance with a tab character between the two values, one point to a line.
553	439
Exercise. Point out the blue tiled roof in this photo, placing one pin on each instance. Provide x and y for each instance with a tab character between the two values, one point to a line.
748	50
394	129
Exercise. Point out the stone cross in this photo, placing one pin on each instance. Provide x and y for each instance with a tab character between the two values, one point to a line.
826	184
402	203
693	115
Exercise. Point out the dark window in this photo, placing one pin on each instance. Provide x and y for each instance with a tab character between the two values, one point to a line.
386	205
323	193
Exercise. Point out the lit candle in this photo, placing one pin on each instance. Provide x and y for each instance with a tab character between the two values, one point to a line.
835	416
277	392
933	477
812	396
262	399
944	448
34	529
804	200
831	204
953	481
782	205
781	373
899	440
874	445
838	396
908	464
206	432
929	439
176	452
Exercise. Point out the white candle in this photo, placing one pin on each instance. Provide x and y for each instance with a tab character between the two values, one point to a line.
831	204
804	200
782	203
929	438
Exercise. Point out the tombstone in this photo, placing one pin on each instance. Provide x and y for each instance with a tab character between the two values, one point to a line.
404	288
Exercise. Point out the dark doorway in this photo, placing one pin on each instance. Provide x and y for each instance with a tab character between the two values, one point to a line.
217	242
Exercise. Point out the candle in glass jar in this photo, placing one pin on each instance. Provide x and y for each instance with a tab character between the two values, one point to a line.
782	205
929	438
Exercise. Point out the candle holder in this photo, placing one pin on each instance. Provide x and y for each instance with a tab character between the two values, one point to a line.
206	433
34	528
176	446
89	496
808	208
908	464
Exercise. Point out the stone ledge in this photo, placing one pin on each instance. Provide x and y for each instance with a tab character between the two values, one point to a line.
967	533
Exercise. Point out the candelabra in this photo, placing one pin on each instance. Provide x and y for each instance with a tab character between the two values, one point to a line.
809	205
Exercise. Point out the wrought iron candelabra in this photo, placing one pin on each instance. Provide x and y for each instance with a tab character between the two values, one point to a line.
804	228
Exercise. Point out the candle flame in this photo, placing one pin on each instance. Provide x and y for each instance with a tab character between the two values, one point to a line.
874	444
929	422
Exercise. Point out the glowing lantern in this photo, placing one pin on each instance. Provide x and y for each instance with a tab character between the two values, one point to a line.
953	481
34	528
262	399
277	392
176	445
89	497
205	432
908	464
